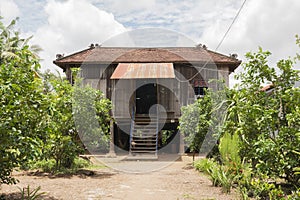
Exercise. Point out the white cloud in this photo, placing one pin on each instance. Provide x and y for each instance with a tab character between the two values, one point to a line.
8	10
269	24
129	6
150	37
72	26
32	14
188	17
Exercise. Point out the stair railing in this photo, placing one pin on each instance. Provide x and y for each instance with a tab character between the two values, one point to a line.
157	126
131	129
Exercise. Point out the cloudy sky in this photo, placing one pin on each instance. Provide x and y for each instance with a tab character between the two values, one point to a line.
66	26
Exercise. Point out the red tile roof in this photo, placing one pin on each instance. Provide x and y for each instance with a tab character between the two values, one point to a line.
108	55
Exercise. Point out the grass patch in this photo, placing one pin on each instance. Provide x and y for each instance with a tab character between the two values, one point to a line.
49	166
95	167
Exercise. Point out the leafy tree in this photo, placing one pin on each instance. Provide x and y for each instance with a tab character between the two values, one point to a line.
92	119
67	136
61	141
36	114
267	126
22	101
202	121
195	122
266	121
11	42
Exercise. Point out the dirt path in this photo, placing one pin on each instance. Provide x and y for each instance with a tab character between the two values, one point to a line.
177	181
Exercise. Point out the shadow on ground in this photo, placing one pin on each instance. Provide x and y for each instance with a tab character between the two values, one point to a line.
82	173
18	196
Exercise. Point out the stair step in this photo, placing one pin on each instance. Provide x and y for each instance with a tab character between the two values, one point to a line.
144	135
153	130
145	127
143	145
145	119
141	151
147	132
143	123
144	130
143	140
142	156
144	150
148	135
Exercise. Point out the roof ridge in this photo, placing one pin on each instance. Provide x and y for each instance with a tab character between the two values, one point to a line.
215	52
73	54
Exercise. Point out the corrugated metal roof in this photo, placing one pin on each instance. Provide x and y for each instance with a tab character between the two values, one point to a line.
143	70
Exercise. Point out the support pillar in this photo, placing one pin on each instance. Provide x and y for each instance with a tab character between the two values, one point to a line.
111	152
181	144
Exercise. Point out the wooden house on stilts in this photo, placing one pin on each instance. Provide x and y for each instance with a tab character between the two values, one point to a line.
147	87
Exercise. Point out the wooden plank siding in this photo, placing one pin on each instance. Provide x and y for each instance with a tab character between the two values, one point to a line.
171	93
193	68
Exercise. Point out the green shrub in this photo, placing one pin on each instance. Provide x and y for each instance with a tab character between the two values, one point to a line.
45	165
229	149
50	166
231	170
28	194
81	163
195	122
64	151
295	195
218	174
22	103
209	167
226	179
261	189
204	165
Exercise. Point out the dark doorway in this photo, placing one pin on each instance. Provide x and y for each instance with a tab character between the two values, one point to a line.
145	97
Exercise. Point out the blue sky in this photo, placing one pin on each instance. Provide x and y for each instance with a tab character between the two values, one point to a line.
66	26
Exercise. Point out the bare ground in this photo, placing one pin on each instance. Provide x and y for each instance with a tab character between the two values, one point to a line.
177	181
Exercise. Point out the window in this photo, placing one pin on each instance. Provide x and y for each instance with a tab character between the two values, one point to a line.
199	91
200	87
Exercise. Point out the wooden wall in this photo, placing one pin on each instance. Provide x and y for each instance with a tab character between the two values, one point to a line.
172	93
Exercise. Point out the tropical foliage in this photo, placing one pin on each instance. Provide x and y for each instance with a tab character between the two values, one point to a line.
266	125
195	122
36	115
23	104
